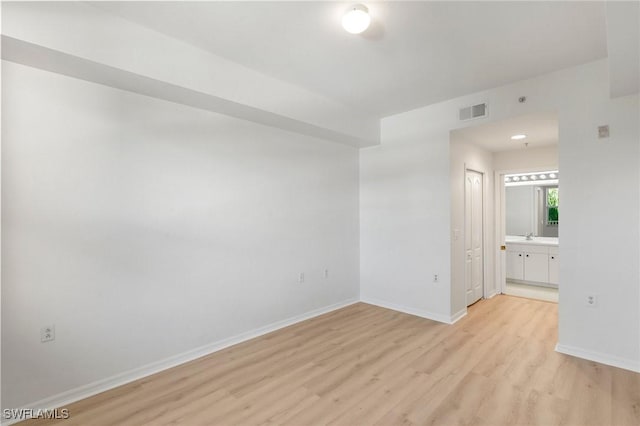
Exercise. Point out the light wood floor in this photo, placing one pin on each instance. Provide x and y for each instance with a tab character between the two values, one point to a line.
364	365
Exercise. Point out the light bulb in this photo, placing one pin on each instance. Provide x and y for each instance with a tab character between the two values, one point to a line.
518	137
356	19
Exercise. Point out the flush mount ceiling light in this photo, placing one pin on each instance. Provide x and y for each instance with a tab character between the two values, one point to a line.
356	19
518	137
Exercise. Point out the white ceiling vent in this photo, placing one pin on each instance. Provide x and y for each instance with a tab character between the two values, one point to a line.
474	111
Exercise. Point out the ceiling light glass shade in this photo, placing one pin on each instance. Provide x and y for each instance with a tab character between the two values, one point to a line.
518	137
356	19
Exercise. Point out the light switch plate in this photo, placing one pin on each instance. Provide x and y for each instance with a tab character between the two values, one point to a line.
603	131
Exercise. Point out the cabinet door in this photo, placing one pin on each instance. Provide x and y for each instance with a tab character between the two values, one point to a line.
554	263
536	267
515	265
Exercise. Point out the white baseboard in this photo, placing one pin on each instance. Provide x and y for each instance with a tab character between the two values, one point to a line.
458	316
85	391
412	311
627	364
492	294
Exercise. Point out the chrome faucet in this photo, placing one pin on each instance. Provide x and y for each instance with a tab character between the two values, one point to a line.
529	236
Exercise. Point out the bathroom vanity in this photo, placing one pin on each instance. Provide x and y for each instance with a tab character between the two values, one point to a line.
533	262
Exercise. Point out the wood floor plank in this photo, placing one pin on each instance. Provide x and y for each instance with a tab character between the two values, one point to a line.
592	395
365	365
625	398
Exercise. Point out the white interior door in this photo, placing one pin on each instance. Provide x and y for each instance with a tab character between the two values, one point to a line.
474	269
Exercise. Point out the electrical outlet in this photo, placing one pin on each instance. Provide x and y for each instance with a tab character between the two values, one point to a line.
326	274
435	278
301	277
47	333
591	300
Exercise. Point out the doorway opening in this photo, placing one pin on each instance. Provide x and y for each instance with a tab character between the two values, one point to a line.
517	147
531	205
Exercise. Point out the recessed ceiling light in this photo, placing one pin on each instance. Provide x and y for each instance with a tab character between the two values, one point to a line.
356	19
518	137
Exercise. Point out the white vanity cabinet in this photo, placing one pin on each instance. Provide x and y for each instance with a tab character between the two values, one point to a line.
536	266
534	263
515	264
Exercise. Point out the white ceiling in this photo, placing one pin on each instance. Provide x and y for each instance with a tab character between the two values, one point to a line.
541	130
414	54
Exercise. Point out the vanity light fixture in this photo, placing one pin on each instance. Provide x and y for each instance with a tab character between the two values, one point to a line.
539	178
518	137
356	19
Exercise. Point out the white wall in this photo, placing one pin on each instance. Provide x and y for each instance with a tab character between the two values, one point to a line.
466	156
0	215
143	229
404	218
405	228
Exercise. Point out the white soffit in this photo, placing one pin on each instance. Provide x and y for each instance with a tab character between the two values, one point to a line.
541	130
49	60
82	41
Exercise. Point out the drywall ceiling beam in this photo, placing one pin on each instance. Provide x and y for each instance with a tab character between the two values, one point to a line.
121	52
24	53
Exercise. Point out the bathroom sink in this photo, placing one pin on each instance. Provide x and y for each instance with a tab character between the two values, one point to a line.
518	238
521	239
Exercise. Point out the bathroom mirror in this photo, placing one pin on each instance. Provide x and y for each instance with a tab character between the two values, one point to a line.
532	205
